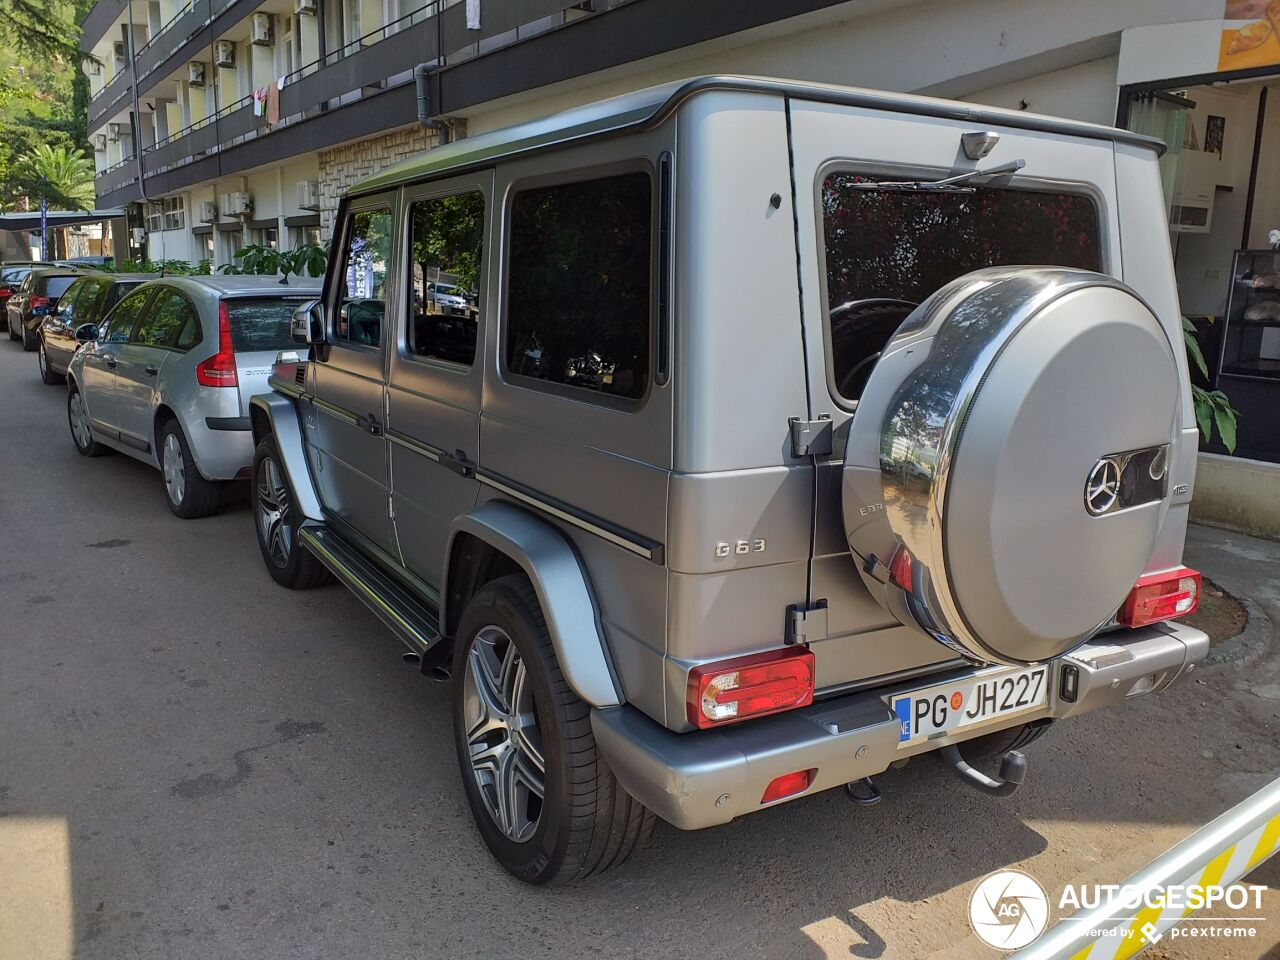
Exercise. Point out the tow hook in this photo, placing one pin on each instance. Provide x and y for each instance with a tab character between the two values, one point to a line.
1013	771
863	792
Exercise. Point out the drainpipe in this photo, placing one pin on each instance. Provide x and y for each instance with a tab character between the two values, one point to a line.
422	82
137	112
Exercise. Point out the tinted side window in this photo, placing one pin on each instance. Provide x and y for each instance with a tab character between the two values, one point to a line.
578	299
169	314
69	305
887	251
444	277
363	299
121	319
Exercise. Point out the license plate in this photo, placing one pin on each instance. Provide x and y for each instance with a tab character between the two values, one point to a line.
951	706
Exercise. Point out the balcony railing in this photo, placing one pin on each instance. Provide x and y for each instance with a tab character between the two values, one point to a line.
379	61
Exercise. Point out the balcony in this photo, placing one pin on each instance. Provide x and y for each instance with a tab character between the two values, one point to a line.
161	54
373	73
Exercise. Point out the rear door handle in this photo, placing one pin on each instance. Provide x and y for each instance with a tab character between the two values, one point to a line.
371	424
110	363
458	463
151	370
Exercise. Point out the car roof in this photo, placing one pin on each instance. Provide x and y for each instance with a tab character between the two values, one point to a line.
647	108
63	272
241	285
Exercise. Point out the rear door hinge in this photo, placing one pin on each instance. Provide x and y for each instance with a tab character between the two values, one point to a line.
806	622
811	438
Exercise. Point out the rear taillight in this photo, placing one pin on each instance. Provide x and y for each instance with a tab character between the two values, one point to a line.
37	302
788	785
6	291
1161	596
220	369
753	686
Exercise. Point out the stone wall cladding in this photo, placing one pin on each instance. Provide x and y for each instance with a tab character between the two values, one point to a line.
342	166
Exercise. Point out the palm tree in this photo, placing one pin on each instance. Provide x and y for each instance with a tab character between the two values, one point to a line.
61	176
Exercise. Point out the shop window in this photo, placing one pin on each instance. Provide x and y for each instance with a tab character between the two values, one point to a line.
886	251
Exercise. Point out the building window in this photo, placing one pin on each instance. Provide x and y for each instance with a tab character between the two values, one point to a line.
154	217
578	308
886	251
444	277
204	247
175	213
232	241
302	236
268	237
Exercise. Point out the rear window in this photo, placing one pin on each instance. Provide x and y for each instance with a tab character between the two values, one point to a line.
57	286
13	275
261	324
886	251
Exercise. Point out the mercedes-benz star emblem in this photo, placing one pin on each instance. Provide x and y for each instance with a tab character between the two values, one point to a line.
1102	489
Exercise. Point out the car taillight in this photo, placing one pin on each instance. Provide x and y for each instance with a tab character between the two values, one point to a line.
753	686
6	291
788	785
220	369
37	302
1161	596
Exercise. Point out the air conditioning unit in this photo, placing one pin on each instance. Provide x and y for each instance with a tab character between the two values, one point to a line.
238	204
115	131
304	7
208	211
138	234
195	74
309	194
117	50
260	33
100	142
224	53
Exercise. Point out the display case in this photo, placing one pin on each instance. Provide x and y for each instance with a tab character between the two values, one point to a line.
1251	335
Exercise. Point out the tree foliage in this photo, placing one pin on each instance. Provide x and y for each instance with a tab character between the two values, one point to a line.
60	175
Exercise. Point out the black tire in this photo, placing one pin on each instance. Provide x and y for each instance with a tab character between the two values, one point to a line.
294	566
1002	741
587	823
86	446
189	495
13	334
47	375
29	340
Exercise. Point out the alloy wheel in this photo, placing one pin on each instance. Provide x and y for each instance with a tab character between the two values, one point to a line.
273	512
79	421
175	474
504	742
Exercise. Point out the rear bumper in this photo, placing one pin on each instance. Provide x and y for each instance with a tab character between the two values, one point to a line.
696	780
220	453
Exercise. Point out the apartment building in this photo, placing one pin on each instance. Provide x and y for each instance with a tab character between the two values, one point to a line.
224	122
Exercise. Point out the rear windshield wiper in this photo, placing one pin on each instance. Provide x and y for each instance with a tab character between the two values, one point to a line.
947	185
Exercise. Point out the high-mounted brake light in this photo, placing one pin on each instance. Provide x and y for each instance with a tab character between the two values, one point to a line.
1161	596
220	369
753	686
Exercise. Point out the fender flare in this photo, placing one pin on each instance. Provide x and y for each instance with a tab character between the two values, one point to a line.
283	420
553	567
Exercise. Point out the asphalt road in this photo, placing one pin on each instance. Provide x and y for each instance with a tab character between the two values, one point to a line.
196	763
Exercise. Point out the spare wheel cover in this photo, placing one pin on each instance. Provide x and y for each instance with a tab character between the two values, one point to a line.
1011	450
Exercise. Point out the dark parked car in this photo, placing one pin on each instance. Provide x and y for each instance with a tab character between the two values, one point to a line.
35	299
11	275
87	300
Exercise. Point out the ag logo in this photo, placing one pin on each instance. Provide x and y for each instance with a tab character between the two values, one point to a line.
1008	910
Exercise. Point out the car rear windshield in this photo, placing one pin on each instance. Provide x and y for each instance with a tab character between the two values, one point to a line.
888	250
57	286
13	274
261	324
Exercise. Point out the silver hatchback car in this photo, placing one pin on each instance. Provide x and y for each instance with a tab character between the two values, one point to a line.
168	374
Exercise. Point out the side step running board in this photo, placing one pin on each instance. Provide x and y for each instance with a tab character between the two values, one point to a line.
415	621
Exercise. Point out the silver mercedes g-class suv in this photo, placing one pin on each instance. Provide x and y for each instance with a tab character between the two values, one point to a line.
795	431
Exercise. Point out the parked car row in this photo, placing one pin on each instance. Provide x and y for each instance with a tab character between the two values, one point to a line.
160	368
